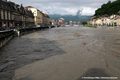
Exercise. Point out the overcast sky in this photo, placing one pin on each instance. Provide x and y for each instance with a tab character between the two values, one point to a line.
88	7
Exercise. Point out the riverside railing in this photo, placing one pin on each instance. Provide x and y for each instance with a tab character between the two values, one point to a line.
5	36
28	30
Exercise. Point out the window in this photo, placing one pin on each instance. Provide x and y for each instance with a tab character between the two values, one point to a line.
4	14
0	14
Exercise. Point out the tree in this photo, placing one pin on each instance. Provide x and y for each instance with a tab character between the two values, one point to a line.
109	8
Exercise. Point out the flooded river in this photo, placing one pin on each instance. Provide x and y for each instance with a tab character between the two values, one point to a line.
64	53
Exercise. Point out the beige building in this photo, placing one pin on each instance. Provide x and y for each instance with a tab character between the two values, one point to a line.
46	20
118	21
96	22
35	13
41	19
99	22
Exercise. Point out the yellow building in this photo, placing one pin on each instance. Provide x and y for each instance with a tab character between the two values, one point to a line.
47	20
41	19
37	15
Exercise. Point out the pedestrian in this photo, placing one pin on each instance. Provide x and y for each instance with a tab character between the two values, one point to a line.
4	26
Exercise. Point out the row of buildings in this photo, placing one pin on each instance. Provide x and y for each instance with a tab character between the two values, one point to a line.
58	23
13	15
113	20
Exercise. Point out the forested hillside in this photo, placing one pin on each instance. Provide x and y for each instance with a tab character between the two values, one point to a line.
109	8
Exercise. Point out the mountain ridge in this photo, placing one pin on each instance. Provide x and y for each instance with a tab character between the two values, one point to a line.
81	18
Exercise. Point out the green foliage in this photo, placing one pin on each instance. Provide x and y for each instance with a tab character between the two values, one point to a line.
89	25
84	23
108	8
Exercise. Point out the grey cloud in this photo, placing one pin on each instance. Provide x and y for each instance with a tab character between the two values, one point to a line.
62	6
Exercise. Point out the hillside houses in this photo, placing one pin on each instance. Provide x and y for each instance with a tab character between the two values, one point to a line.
113	20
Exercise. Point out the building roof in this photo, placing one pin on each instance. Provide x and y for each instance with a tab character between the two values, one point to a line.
29	7
11	6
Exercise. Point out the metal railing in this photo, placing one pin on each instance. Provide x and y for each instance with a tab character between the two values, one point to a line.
28	30
6	35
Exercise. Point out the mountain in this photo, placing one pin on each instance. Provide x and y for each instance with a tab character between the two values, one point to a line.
70	17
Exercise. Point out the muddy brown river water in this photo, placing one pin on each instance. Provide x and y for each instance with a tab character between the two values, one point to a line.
64	53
